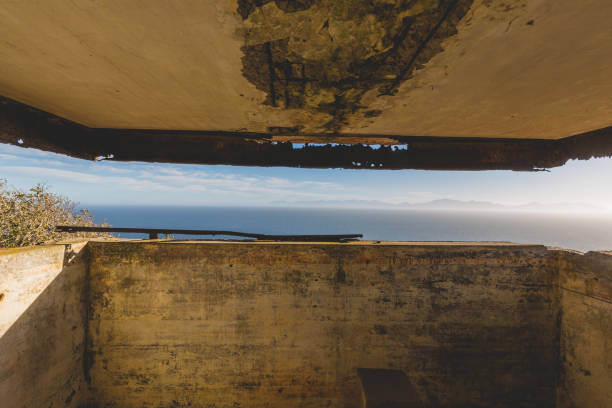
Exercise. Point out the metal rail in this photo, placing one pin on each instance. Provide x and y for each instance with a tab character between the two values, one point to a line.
154	233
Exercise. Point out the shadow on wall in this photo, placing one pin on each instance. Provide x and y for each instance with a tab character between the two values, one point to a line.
42	349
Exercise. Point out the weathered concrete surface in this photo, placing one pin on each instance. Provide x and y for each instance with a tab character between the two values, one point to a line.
517	68
323	56
202	324
42	327
24	126
248	324
491	68
586	331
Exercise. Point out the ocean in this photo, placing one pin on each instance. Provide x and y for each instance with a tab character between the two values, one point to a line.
578	232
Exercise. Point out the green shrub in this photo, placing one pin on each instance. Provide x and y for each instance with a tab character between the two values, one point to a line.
29	218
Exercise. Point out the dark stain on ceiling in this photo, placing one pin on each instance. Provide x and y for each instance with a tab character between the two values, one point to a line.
323	56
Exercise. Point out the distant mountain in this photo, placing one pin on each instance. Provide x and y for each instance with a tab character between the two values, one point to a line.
444	204
448	204
335	203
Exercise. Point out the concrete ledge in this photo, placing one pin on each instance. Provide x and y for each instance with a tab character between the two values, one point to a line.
25	126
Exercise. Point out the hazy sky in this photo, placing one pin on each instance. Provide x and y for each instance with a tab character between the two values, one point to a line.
108	182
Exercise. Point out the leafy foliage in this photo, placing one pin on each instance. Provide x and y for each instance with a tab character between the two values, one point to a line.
30	217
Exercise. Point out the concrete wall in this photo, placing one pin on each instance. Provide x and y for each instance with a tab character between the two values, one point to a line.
268	324
254	324
586	331
42	326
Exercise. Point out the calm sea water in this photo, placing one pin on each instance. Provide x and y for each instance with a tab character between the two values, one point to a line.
579	232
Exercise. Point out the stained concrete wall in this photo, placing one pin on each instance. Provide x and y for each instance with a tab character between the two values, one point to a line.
253	324
266	324
42	327
586	332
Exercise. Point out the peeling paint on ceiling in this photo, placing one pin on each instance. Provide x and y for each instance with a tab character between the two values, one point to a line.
520	69
324	55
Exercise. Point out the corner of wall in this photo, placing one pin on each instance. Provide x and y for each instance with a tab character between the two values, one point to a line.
43	318
585	288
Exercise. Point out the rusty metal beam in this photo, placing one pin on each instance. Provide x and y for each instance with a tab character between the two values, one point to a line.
25	126
154	232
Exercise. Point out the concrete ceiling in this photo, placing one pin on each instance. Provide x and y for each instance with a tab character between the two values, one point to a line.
530	69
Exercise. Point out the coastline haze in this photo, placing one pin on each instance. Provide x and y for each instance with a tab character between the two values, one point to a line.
578	232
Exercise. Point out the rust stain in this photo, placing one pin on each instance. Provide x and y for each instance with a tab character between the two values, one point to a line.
322	56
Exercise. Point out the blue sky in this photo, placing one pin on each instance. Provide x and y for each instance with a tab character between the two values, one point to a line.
108	182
